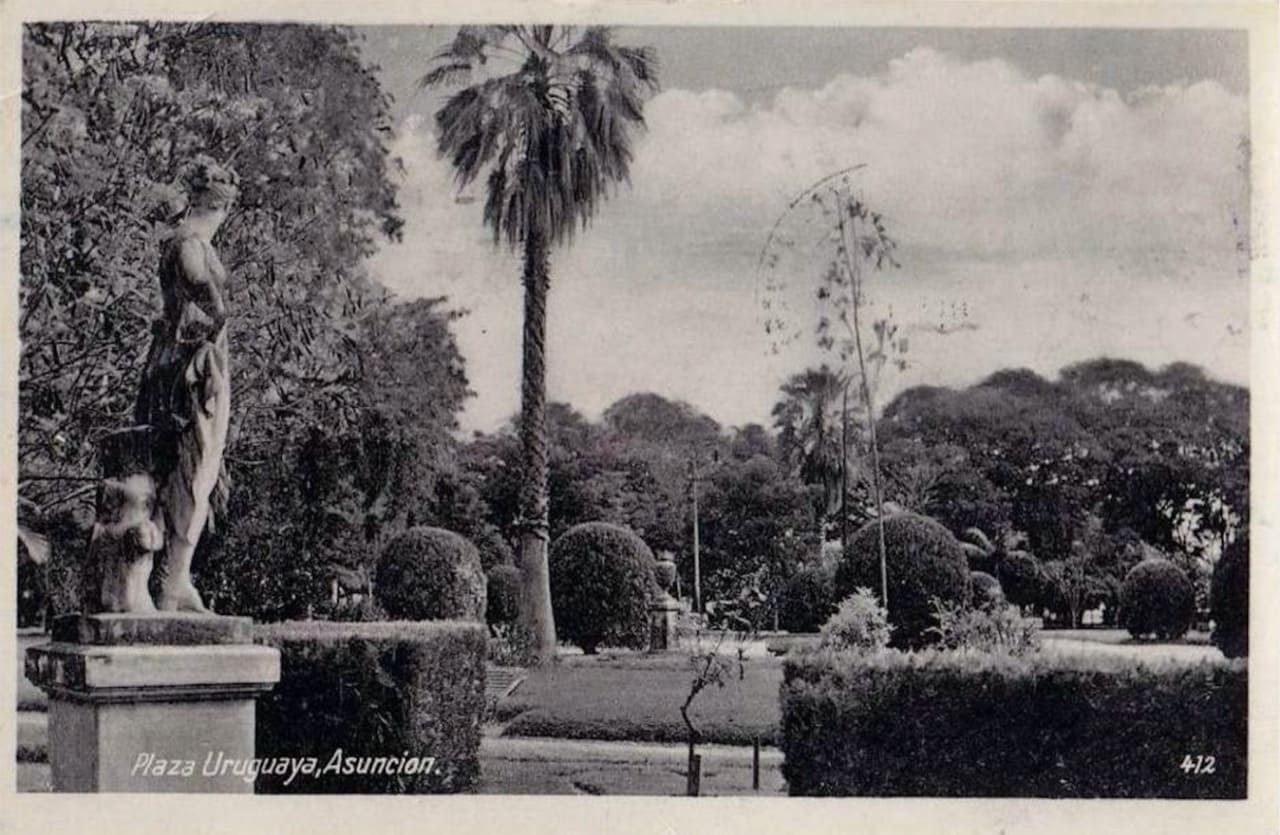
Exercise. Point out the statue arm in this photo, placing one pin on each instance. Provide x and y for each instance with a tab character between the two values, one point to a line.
203	286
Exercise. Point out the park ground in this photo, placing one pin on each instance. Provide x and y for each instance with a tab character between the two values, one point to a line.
610	724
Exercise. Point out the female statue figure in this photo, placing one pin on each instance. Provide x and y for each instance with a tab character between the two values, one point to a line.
185	397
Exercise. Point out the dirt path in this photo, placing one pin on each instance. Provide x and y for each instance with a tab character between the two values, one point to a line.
533	765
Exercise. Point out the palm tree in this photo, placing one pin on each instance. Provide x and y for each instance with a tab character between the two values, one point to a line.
547	113
812	435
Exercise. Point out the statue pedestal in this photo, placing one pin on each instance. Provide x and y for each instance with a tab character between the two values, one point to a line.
152	703
662	624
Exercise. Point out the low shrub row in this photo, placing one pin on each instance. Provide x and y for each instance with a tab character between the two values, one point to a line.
402	691
958	724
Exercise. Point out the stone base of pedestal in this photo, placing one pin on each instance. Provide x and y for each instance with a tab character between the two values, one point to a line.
152	703
662	624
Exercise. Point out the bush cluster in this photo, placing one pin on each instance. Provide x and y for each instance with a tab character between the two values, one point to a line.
986	589
430	574
1157	599
998	628
376	690
860	623
1229	600
602	586
946	724
924	562
807	599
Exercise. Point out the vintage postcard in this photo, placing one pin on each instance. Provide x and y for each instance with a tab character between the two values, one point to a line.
644	417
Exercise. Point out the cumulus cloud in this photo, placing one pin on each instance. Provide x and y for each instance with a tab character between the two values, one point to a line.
974	158
1064	219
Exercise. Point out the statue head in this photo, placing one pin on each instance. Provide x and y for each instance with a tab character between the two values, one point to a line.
212	187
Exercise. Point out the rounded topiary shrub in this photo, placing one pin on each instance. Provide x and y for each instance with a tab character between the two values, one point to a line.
807	599
502	605
430	574
924	561
1157	599
1021	579
602	586
1229	600
986	589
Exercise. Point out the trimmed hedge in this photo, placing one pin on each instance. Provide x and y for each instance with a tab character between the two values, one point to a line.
394	689
602	586
808	599
430	574
1229	600
924	562
948	724
1157	599
503	594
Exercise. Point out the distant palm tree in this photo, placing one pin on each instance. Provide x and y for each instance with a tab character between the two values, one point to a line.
811	435
548	114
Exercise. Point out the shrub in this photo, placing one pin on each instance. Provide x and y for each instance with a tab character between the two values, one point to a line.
503	594
365	610
391	689
924	561
1229	600
509	646
1021	579
986	590
430	574
860	623
602	586
946	724
1157	599
1000	628
807	599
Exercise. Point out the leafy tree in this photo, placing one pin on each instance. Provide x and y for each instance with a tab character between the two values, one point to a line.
552	130
665	442
111	113
756	519
328	500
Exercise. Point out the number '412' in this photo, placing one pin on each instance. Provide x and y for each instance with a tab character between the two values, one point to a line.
1199	764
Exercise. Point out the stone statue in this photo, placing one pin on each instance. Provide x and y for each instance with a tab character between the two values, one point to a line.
160	476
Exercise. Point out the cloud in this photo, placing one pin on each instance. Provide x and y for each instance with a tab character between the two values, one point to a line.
1061	218
972	158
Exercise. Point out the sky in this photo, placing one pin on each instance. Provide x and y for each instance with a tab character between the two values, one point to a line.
1056	195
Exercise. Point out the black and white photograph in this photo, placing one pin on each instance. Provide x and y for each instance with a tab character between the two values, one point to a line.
600	406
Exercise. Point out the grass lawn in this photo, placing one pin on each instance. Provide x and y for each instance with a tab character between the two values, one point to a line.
1122	636
638	698
1192	648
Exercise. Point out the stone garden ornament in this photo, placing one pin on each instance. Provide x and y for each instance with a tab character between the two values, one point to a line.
161	475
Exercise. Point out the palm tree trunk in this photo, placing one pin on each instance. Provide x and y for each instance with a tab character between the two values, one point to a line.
536	617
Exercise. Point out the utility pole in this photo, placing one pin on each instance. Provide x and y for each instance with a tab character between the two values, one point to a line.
697	567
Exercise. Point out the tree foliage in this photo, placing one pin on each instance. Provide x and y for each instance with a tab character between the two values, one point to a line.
111	113
344	401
